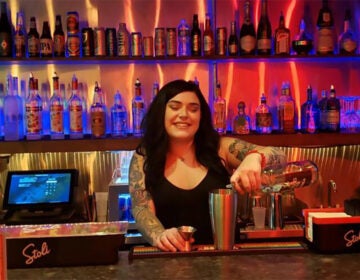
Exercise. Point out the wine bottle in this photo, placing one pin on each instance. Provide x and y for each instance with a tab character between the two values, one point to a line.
98	114
333	111
247	33
195	37
5	32
33	39
118	117
19	37
264	33
233	45
325	23
310	113
138	109
59	38
347	39
46	42
241	124
56	111
219	111
209	43
282	37
263	117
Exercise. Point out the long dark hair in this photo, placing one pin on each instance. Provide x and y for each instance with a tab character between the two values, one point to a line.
154	144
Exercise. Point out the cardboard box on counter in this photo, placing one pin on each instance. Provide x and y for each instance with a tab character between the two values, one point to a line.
331	230
31	246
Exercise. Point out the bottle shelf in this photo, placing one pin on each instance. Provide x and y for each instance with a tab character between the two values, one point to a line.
130	143
200	59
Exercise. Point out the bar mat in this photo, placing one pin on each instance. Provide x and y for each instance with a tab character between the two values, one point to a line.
140	252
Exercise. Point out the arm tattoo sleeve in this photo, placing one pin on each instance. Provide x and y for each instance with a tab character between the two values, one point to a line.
146	221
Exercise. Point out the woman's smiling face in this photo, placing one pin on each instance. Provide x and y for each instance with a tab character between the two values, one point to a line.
182	116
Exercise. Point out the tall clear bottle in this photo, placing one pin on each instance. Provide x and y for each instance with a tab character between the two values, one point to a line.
20	36
59	38
138	109
219	111
241	124
183	30
310	113
233	45
44	94
33	109
33	39
5	32
118	117
195	37
347	39
247	33
2	97
98	114
46	42
325	34
76	130
209	41
264	120
286	110
123	40
13	112
282	37
333	111
56	111
264	33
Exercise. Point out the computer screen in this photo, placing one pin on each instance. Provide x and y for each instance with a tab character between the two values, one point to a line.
39	188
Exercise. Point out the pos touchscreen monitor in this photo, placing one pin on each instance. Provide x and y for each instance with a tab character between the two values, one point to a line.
36	190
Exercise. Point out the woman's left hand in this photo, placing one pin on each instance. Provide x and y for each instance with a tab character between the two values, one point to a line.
247	177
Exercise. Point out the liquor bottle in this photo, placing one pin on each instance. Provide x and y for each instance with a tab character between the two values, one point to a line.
247	33
333	111
123	40
138	109
347	39
118	117
219	111
323	111
183	30
66	108
264	33
13	112
263	117
155	90
33	39
282	37
75	105
56	111
59	38
310	113
303	42
2	97
5	32
19	37
98	114
233	45
82	93
286	110
46	42
325	23
44	95
241	124
209	43
195	37
33	109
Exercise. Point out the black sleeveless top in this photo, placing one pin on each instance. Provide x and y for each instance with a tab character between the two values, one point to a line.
177	207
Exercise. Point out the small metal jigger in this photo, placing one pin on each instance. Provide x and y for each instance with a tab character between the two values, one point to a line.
186	233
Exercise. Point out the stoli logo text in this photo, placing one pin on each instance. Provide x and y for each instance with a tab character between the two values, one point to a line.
351	238
31	253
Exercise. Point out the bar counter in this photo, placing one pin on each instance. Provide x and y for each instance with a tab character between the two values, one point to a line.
298	265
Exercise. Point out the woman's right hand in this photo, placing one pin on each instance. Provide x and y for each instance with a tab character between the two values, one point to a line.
170	240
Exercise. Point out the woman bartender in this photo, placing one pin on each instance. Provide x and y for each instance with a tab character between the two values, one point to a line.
180	159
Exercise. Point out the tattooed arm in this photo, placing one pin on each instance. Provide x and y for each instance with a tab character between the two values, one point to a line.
143	210
246	167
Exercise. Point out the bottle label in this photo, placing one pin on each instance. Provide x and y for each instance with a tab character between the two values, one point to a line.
75	116
208	44
195	43
33	119
248	43
73	46
59	44
241	126
263	119
19	42
264	44
46	47
325	40
119	123
57	118
98	123
219	117
283	43
5	46
33	46
333	118
233	48
349	45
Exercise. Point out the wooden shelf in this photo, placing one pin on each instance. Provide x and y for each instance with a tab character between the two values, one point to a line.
130	143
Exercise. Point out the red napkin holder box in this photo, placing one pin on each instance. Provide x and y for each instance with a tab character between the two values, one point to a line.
330	230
